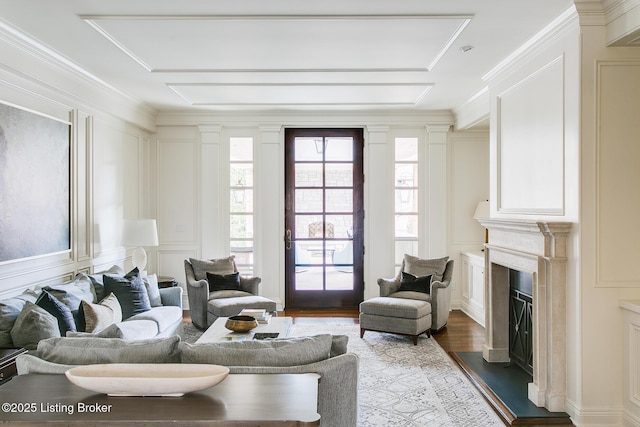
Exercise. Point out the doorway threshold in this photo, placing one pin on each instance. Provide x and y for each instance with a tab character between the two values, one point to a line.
504	386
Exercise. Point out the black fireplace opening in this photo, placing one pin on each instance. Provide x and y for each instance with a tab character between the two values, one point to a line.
521	319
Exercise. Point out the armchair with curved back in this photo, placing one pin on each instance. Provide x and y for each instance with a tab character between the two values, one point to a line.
440	290
206	306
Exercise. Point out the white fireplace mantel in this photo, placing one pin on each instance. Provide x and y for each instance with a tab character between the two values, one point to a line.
540	249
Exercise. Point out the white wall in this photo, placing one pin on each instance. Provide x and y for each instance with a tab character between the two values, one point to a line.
109	162
193	186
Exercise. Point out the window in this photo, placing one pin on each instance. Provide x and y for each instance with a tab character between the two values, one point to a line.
406	198
241	202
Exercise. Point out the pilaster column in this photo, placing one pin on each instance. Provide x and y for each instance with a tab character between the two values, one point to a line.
379	223
269	213
212	242
435	203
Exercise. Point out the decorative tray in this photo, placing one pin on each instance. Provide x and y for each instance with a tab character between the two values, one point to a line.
146	379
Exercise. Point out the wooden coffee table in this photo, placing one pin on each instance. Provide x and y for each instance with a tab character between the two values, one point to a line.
217	332
248	400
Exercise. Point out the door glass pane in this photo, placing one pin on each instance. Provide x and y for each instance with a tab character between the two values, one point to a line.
406	174
241	149
407	200
241	200
309	279
339	175
308	200
309	253
241	175
339	200
406	149
340	278
307	149
303	225
241	226
342	225
339	149
407	226
308	175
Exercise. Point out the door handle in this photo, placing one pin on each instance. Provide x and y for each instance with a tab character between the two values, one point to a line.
287	239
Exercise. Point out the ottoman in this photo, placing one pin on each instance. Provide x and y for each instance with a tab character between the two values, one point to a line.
396	315
226	307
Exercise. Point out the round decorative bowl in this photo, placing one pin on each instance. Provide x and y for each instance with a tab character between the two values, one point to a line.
241	323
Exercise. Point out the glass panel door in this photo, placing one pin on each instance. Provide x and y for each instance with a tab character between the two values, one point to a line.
324	242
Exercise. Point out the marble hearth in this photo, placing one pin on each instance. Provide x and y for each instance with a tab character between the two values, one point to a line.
540	249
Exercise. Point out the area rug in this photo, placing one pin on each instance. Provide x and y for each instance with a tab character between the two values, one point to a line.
404	385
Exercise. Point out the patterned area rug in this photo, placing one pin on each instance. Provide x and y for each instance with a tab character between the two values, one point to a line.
404	385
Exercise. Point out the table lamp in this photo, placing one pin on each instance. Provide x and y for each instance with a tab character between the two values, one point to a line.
139	233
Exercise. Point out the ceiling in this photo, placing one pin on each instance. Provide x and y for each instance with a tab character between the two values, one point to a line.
283	54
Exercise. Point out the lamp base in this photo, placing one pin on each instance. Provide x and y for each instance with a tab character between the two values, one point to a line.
139	258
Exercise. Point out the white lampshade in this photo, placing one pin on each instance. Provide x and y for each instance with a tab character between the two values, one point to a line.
482	210
139	233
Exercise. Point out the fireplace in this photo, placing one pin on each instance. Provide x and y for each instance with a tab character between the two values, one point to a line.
538	249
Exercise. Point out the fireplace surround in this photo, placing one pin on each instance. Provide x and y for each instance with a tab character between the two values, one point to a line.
540	249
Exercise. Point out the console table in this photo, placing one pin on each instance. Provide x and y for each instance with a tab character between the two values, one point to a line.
240	400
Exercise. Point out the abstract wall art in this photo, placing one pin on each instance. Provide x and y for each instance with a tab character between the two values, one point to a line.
35	186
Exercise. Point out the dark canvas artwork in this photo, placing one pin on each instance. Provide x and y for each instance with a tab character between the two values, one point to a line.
34	184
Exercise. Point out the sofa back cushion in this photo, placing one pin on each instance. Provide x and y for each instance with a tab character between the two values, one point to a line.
217	266
86	351
277	352
425	267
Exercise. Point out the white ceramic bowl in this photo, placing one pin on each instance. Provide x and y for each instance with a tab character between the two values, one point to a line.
147	379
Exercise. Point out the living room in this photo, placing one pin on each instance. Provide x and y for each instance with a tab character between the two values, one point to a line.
547	133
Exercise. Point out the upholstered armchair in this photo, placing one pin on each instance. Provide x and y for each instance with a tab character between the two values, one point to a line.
441	270
206	305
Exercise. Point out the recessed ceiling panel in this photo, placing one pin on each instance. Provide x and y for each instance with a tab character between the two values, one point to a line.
282	43
406	94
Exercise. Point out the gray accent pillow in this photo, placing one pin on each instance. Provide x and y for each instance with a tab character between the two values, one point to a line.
86	351
216	266
9	310
33	324
151	283
425	267
277	352
339	345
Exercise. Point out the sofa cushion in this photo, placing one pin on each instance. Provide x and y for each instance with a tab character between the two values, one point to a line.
424	267
61	312
97	279
129	330
277	352
163	316
105	313
223	282
85	351
33	324
217	266
9	310
131	293
151	284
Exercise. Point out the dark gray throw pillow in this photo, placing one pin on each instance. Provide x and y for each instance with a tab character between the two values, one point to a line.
131	294
410	282
226	282
61	312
